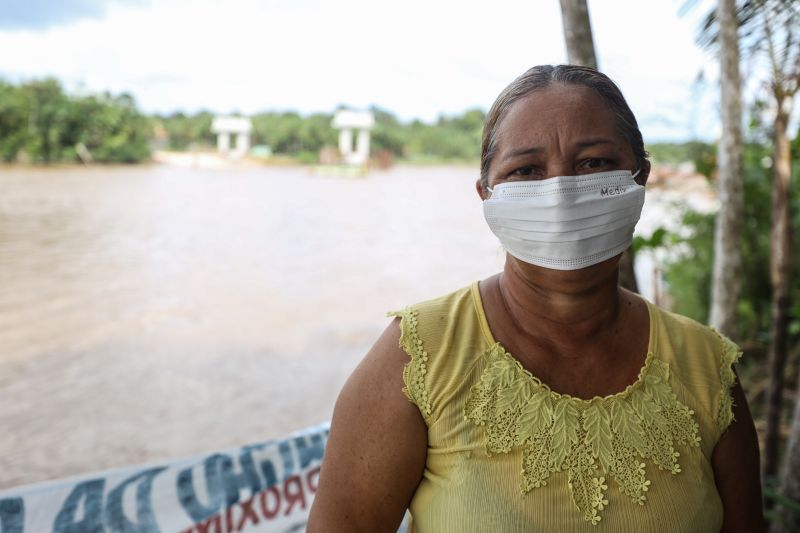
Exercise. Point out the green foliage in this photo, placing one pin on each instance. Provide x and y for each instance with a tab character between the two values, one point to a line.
40	123
388	134
788	504
454	138
14	112
689	277
114	130
451	138
289	133
689	272
185	131
658	239
703	155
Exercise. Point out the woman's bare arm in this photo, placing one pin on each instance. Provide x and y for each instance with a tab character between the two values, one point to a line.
376	450
737	471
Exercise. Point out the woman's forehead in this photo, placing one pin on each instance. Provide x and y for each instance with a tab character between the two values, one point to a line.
567	113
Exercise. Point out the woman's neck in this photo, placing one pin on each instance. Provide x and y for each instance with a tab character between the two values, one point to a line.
561	310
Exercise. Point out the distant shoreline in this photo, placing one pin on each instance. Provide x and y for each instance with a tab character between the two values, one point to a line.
209	159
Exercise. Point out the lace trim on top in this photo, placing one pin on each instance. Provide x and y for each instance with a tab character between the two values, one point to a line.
592	440
415	370
730	355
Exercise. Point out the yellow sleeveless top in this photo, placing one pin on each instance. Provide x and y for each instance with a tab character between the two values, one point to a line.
506	454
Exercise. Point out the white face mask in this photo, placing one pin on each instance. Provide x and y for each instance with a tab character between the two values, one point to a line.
566	222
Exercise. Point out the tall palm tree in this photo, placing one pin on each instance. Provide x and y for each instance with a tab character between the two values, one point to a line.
578	33
780	22
726	278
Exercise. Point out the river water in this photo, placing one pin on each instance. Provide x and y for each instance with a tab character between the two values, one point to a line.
156	311
153	312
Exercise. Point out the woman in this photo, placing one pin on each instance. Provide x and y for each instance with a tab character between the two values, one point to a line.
547	398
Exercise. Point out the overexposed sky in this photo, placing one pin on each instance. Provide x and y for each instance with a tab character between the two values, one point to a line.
416	58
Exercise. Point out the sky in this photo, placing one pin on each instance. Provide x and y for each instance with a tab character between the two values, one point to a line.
416	58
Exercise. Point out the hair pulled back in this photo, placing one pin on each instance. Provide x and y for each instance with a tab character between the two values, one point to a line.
543	76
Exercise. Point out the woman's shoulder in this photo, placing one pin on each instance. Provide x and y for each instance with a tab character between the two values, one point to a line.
690	342
673	322
443	337
441	307
701	359
447	318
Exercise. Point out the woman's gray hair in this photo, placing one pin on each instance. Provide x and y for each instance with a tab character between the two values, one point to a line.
543	76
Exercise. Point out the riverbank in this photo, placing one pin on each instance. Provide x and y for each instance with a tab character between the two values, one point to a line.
210	159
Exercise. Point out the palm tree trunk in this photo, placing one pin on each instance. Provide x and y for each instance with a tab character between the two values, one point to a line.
578	33
787	520
726	280
780	262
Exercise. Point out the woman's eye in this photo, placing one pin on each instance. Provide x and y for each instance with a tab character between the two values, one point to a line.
595	162
523	171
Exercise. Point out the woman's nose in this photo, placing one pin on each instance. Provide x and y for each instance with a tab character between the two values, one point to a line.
559	168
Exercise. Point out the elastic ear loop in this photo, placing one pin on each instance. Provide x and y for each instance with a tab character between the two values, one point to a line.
491	191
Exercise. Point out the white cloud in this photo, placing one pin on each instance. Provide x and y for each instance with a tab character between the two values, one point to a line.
415	58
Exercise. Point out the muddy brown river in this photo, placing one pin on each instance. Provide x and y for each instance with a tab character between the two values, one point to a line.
156	311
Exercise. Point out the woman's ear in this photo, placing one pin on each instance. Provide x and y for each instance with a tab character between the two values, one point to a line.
480	190
644	173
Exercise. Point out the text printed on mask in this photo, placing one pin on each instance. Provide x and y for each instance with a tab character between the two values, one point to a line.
612	191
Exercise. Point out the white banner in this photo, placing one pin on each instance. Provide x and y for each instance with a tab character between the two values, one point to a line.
264	487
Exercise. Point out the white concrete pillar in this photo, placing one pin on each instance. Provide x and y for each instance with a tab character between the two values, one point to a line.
242	145
223	142
362	148
345	142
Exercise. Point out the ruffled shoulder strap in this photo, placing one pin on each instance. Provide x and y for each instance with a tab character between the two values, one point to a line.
415	370
443	340
702	361
730	353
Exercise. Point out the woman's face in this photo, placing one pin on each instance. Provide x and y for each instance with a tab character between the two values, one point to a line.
563	130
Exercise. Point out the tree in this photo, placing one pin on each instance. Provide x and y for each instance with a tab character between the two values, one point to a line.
580	51
14	113
47	110
780	21
578	33
39	122
727	274
771	29
790	482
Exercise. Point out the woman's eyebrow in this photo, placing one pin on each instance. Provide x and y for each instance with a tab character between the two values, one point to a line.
582	143
593	141
522	151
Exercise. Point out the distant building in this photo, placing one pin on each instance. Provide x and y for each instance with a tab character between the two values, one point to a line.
224	128
346	121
